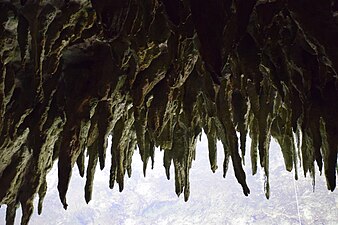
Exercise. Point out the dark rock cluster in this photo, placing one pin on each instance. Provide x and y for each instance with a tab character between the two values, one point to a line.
155	73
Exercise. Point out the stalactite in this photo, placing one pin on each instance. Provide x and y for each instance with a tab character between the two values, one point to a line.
155	74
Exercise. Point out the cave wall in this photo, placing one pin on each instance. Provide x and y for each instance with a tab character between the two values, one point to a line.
156	73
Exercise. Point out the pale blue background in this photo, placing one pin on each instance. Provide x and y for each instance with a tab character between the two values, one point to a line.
213	200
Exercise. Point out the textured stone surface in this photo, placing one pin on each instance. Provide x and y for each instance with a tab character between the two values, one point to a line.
156	73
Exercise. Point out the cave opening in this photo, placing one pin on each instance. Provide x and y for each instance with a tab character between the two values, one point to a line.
156	73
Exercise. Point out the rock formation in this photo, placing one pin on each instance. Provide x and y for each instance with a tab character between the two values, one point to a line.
155	73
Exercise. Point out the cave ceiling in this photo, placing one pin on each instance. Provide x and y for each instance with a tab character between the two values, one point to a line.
156	73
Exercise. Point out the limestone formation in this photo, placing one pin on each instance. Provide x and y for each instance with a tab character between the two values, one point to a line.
156	73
